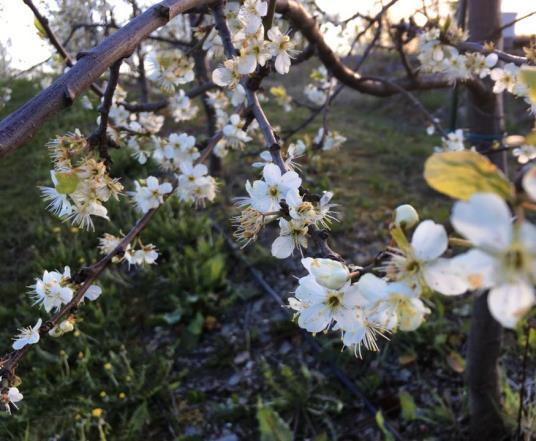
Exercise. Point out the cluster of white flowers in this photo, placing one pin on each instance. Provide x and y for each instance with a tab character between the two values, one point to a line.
121	118
453	142
52	291
437	56
330	141
170	69
134	254
81	183
181	107
149	193
317	91
502	259
177	149
56	288
245	22
178	154
269	198
195	184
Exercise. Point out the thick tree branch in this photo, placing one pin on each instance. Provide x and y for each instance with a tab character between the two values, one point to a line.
108	26
22	124
43	21
306	23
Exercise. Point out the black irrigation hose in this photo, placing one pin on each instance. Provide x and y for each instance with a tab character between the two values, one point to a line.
333	367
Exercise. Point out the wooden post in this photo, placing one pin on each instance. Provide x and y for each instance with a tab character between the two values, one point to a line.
485	123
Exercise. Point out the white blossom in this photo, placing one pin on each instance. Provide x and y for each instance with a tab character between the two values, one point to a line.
266	194
505	78
182	108
503	258
419	265
292	234
150	195
233	133
195	185
281	47
251	13
53	289
228	75
27	336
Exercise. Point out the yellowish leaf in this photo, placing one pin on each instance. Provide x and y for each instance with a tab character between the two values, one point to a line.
407	358
40	29
461	174
456	362
527	75
67	182
531	138
278	91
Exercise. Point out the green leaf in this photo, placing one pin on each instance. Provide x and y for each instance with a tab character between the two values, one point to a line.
271	426
408	406
67	182
461	174
380	421
195	327
138	419
40	29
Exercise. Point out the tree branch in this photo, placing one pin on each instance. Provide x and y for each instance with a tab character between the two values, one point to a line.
306	23
43	21
99	138
21	125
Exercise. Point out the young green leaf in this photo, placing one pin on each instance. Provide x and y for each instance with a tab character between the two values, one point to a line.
271	426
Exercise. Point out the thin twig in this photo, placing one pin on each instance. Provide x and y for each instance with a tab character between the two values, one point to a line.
43	21
99	137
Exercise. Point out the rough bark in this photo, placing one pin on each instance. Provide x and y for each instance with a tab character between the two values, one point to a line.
485	121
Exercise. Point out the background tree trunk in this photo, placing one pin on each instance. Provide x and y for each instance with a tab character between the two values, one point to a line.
485	122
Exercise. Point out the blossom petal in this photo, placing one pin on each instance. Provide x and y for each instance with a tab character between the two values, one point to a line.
510	302
290	180
485	220
282	247
477	268
444	278
372	287
315	318
271	174
309	291
429	241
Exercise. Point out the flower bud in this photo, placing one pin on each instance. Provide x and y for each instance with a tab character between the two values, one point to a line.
55	332
66	326
406	216
491	59
327	272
